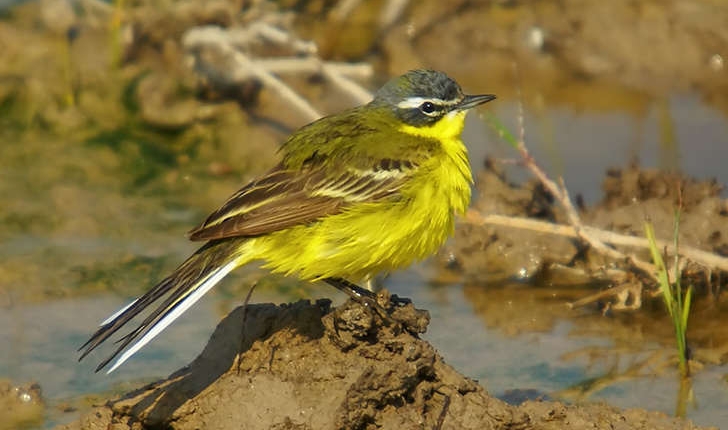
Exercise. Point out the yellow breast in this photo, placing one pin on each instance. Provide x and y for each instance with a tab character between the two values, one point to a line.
449	172
372	237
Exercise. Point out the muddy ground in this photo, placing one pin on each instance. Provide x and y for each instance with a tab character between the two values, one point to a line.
307	366
632	197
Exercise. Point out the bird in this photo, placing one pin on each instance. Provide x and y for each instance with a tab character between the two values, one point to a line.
365	191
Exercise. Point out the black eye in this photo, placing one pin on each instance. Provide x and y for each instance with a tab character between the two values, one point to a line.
427	107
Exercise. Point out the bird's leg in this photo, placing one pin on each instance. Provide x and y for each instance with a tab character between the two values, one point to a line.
373	285
360	295
405	318
354	291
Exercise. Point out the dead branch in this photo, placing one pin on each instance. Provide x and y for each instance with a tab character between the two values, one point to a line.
231	44
704	258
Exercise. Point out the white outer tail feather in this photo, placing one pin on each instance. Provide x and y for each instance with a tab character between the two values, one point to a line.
119	312
186	303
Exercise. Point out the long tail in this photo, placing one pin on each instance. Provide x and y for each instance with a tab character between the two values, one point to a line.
185	286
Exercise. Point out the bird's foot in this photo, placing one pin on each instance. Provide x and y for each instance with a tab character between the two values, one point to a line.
393	310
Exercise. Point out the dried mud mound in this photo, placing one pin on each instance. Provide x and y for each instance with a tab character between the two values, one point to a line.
304	366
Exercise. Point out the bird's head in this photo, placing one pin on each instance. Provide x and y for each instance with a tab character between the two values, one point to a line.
422	98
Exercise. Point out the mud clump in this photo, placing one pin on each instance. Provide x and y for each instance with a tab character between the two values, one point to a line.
306	366
494	252
632	196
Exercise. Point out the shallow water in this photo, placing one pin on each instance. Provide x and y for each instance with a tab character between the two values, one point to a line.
525	365
682	134
80	239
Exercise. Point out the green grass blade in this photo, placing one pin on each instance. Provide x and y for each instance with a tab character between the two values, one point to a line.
501	129
686	308
662	277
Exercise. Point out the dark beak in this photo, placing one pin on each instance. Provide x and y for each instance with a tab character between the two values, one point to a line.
472	101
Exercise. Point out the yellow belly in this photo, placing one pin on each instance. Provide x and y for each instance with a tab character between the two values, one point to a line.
369	238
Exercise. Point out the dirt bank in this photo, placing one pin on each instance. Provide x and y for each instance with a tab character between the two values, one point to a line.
307	366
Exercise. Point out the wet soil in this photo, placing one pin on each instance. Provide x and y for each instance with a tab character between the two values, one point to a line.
632	197
22	406
307	366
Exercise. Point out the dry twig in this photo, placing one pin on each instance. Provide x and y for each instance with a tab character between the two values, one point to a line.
231	44
704	258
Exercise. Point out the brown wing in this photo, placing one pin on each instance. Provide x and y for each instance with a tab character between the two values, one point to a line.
284	198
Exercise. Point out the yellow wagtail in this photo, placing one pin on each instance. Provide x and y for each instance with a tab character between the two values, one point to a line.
367	190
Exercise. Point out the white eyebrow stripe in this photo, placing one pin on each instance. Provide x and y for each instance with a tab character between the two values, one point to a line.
413	102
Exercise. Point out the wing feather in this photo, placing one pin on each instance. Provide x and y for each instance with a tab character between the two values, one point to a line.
284	198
